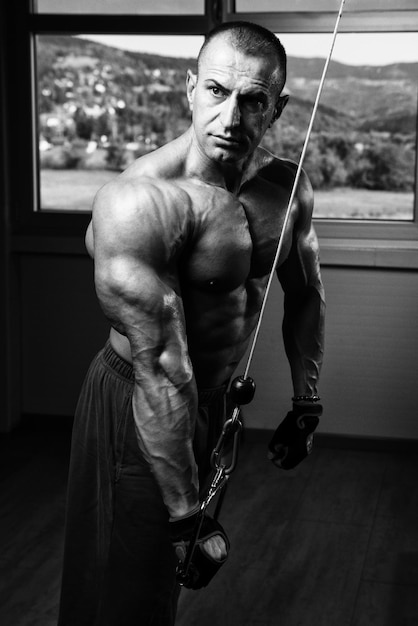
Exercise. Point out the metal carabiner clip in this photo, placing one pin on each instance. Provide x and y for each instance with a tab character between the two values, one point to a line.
232	427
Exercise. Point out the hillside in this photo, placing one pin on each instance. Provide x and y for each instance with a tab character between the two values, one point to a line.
90	91
367	94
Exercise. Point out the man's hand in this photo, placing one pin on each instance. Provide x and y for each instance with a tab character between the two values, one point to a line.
210	552
215	547
293	440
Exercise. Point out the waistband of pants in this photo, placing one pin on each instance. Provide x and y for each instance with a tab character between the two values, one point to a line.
125	370
116	363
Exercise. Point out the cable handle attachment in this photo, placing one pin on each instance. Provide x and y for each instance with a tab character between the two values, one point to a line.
241	391
231	428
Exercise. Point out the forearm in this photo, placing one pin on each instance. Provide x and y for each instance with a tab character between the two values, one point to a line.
164	417
164	399
303	334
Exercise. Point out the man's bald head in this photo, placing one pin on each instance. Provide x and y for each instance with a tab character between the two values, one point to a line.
253	40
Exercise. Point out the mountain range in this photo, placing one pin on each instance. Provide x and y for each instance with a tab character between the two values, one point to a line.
366	98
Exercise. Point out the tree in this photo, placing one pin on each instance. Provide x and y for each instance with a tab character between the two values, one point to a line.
83	124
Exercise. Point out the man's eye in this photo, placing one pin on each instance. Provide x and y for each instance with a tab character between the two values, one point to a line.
254	104
216	91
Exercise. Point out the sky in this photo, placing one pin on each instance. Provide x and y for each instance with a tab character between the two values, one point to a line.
353	49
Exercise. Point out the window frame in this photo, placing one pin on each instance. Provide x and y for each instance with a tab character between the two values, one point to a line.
351	235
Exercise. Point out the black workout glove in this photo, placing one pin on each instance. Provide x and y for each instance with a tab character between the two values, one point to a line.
293	440
202	567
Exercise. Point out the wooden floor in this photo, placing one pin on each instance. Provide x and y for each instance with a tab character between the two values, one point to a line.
333	543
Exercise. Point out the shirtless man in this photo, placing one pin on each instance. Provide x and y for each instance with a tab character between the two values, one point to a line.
183	242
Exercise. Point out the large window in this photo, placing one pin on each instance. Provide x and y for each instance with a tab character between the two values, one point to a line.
108	85
105	100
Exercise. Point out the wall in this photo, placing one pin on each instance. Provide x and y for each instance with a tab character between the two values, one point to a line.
368	384
369	377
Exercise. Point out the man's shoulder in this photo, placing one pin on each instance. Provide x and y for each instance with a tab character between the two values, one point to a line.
144	205
143	209
270	189
139	191
152	178
274	168
282	172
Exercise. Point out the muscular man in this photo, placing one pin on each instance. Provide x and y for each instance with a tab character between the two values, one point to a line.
183	242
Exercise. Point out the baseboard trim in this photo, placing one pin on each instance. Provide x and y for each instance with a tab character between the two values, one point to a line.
344	442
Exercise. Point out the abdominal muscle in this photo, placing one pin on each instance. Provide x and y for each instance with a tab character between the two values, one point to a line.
219	328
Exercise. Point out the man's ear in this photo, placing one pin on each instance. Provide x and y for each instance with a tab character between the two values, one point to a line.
280	105
191	81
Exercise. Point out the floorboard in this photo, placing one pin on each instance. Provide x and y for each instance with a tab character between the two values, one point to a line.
332	543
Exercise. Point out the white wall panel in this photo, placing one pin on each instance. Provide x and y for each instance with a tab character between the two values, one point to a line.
370	374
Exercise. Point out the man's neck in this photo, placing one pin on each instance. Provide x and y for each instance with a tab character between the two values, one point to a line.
229	176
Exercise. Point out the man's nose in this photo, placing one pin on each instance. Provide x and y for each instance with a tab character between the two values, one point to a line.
231	114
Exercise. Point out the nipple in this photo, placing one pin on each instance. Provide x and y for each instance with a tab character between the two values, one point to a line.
212	284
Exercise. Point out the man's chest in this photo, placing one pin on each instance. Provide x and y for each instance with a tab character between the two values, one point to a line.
236	238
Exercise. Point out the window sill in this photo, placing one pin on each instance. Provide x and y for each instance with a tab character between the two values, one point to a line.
381	253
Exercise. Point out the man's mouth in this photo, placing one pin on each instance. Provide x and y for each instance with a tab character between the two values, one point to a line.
227	140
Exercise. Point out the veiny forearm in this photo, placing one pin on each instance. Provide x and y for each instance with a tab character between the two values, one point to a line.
303	333
164	417
165	404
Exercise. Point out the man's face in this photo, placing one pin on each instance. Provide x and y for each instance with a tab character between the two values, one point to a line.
233	101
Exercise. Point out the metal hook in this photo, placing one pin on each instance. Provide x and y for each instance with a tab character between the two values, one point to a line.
233	427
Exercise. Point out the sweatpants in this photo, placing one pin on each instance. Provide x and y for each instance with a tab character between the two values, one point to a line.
119	564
